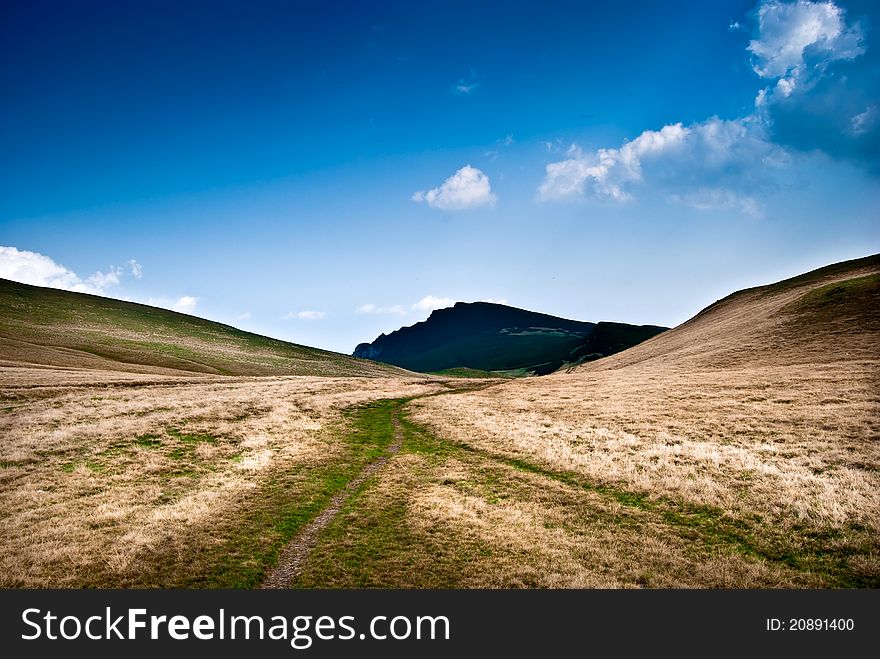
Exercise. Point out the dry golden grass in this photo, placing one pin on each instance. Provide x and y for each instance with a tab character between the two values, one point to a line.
441	515
784	442
766	408
99	467
737	450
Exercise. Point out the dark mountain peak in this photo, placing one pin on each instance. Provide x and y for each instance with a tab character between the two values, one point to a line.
490	336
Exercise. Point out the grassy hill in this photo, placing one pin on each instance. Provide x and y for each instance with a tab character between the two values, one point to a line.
495	338
59	328
828	314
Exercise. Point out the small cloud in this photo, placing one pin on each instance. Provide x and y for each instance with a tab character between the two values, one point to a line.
494	301
372	309
244	316
185	304
864	121
720	198
492	154
135	268
462	87
102	280
305	315
467	188
431	302
734	26
467	85
182	304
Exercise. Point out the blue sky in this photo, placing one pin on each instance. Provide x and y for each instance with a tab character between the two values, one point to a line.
323	172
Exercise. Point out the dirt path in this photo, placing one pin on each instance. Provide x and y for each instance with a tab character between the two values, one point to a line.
297	550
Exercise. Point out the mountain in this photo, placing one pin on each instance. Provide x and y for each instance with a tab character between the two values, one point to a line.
826	315
50	327
483	336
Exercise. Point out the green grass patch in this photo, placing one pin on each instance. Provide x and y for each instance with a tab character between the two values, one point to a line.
190	438
464	372
858	290
242	544
148	441
370	544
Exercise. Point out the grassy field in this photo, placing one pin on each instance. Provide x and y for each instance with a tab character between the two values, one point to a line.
147	481
739	450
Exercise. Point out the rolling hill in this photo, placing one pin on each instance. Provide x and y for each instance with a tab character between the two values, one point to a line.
52	327
828	314
488	337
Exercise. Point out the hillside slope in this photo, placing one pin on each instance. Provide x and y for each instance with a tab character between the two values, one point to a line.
52	327
750	431
824	315
494	337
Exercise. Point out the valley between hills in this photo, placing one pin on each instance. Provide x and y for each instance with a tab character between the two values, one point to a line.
146	448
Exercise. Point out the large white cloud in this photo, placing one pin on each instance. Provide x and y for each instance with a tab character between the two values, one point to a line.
721	163
713	164
824	87
40	270
797	40
467	188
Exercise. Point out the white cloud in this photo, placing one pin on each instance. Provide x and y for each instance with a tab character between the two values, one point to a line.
244	316
40	270
493	300
431	302
467	188
305	315
727	164
467	85
715	198
185	304
796	41
137	270
713	164
396	309
864	121
102	280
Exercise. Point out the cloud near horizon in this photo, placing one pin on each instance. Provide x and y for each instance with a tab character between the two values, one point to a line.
40	270
431	302
720	163
373	309
305	315
467	188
